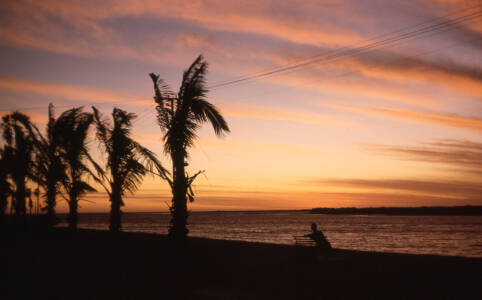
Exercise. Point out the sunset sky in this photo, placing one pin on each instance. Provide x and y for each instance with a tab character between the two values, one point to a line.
398	124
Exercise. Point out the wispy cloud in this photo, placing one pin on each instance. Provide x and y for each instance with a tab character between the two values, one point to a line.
195	40
87	30
459	190
451	120
466	156
364	199
393	66
279	114
90	30
90	95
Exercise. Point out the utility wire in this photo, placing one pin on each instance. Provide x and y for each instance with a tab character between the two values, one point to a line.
343	74
343	52
444	17
448	24
355	51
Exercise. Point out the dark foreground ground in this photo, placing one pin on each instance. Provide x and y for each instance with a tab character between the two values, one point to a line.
97	264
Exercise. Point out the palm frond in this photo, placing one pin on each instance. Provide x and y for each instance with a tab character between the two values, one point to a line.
204	111
102	131
151	160
195	72
83	187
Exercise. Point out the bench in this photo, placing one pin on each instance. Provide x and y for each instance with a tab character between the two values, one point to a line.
301	240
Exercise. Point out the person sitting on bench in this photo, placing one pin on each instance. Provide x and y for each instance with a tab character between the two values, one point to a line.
321	243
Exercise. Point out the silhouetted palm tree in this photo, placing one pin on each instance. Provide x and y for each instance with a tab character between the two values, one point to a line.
179	116
127	161
5	187
49	167
20	140
73	129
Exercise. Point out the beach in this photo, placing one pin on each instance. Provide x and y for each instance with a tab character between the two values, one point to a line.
97	264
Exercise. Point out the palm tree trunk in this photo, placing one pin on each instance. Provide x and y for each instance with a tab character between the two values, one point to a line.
73	217
3	207
12	204
115	210
20	207
178	227
51	198
51	202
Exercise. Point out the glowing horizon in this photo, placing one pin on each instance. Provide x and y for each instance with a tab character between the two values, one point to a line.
399	125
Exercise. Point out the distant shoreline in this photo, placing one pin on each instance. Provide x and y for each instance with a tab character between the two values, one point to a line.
467	210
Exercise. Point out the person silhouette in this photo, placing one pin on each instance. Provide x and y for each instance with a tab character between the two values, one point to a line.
321	243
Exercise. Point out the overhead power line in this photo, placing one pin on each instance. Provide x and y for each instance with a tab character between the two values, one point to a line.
444	17
442	23
347	52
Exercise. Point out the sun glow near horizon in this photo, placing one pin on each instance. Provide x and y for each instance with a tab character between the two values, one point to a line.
398	125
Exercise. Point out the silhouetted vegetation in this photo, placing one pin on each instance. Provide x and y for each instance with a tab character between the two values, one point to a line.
424	210
5	187
179	116
50	167
74	124
20	140
59	162
127	161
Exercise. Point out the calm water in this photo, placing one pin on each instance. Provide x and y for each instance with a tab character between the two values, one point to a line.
446	235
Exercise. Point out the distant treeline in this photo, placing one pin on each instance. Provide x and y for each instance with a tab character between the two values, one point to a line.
424	210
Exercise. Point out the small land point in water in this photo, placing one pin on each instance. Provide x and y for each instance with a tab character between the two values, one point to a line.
98	264
466	210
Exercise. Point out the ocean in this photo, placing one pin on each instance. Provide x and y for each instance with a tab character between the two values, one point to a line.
444	235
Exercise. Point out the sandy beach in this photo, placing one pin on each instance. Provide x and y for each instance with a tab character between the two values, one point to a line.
97	264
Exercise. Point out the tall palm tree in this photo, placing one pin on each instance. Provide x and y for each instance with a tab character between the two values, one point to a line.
127	161
50	171
73	127
179	116
20	140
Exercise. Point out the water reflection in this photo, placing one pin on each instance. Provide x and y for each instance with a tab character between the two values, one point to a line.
448	235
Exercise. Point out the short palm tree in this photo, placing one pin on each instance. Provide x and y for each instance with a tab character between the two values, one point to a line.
5	187
179	116
127	161
73	127
20	142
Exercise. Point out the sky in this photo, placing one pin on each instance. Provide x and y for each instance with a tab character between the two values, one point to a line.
381	104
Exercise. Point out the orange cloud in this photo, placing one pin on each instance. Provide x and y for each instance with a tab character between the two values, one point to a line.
422	117
90	95
93	96
318	80
447	189
464	156
193	40
264	112
417	70
82	30
260	148
79	28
